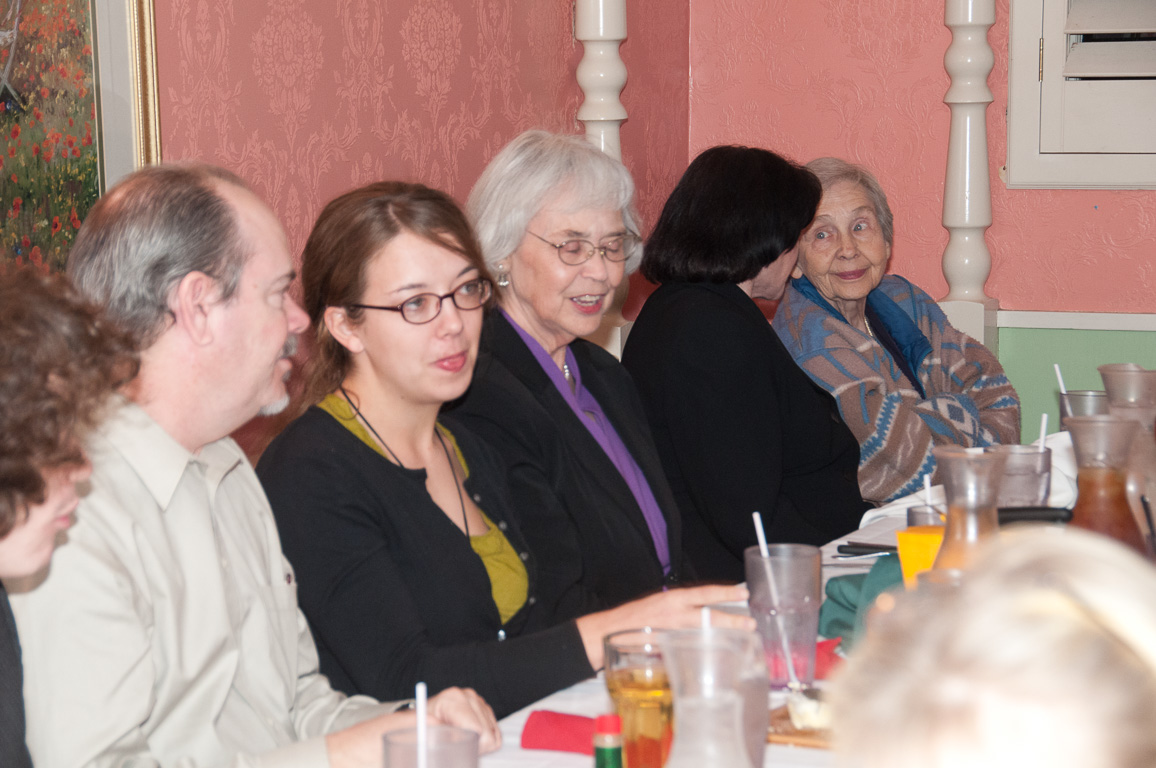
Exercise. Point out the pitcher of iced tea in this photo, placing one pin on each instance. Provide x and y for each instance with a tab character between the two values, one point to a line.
1132	395
971	479
1102	445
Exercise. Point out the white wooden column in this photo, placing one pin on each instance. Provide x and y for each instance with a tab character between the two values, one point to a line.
967	186
601	27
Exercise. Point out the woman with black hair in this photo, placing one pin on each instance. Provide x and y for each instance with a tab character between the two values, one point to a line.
739	427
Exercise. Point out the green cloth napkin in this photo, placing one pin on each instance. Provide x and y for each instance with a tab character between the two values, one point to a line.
850	597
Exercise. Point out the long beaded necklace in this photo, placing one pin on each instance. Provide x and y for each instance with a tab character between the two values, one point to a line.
396	460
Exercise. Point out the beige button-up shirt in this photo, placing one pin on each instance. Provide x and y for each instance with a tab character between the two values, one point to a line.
167	631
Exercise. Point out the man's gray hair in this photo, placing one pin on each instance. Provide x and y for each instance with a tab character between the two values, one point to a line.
832	170
528	172
149	231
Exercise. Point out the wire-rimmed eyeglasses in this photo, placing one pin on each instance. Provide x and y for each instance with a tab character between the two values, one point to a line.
424	307
578	251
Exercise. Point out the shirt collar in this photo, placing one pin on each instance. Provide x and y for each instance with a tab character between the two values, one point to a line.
159	460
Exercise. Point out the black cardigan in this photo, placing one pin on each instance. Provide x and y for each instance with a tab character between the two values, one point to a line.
392	589
740	428
13	751
577	513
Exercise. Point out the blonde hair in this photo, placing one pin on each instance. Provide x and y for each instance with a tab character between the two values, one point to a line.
1046	655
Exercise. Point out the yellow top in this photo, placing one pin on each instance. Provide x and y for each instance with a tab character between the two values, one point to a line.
509	583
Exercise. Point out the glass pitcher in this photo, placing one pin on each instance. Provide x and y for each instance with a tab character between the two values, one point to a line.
1102	445
707	670
971	478
1132	395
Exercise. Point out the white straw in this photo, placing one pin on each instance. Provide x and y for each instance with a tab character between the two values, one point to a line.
422	735
705	617
761	535
1060	378
927	488
1043	431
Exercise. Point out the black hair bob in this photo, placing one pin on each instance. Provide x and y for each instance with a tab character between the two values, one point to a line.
734	211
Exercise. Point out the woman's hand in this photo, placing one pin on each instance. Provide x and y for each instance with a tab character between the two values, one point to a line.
675	609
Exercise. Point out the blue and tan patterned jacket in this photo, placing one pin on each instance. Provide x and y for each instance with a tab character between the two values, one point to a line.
937	385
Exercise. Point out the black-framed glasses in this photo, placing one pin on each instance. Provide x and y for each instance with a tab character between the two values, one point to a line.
424	307
575	252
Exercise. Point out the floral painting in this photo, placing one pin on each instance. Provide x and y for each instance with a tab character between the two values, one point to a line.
48	157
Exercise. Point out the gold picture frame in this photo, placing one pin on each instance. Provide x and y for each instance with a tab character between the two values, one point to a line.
127	104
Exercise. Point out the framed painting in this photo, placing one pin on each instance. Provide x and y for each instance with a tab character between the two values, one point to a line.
77	112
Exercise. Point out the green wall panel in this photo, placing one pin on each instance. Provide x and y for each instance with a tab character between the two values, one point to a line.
1027	355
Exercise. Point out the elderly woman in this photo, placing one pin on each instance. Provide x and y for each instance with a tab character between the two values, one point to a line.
59	363
1044	656
409	552
739	427
905	379
555	219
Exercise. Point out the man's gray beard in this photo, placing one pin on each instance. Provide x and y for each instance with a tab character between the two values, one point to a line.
275	407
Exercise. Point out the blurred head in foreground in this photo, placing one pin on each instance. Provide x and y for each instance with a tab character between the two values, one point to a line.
1046	655
59	362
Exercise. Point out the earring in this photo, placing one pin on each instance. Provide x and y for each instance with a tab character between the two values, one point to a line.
503	278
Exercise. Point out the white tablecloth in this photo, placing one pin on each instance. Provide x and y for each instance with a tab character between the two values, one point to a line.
589	698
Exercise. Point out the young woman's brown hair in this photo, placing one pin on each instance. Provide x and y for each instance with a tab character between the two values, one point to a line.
353	229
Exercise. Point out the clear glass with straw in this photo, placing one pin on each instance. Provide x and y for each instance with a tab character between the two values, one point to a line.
429	746
785	585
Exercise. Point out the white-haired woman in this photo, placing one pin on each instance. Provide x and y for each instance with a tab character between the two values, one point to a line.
905	379
556	223
1046	655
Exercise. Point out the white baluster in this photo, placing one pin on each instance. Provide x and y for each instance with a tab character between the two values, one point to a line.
967	187
601	26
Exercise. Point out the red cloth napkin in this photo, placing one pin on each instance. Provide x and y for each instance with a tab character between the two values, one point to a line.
825	657
560	732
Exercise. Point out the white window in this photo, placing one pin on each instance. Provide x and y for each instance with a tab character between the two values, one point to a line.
1082	94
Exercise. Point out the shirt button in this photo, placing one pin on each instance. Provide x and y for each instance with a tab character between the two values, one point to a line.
477	498
502	525
524	555
531	600
501	635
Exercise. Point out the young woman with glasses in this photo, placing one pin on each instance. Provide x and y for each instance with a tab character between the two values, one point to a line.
410	560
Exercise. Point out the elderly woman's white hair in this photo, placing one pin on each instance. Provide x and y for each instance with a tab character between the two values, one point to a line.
832	170
530	171
1046	655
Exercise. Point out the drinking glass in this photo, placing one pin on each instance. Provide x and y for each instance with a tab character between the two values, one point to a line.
785	592
1082	402
1027	474
446	747
637	682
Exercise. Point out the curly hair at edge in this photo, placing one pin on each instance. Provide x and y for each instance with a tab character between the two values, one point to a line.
59	362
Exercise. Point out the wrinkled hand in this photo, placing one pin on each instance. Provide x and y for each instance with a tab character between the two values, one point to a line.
675	609
682	608
361	745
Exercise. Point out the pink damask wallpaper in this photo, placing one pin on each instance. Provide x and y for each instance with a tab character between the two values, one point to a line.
864	80
309	98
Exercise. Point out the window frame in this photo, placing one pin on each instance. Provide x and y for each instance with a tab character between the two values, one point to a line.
1028	167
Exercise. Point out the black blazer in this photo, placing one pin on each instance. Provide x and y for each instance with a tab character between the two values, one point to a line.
578	515
392	589
740	428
